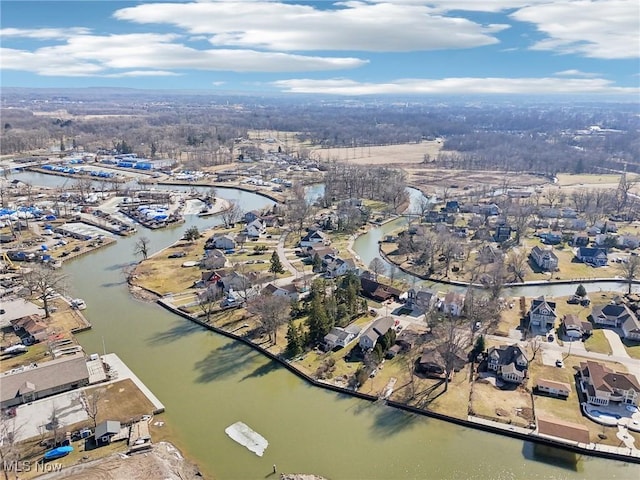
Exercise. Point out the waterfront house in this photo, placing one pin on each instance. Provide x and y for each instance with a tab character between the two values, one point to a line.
315	237
544	259
592	256
287	291
575	328
631	328
105	431
255	229
378	291
213	259
222	241
452	304
319	249
602	385
550	387
551	238
617	316
44	379
335	266
433	362
628	241
552	427
340	337
420	301
489	254
543	313
377	329
31	329
251	216
509	362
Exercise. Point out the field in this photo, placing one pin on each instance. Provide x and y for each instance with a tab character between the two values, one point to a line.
402	154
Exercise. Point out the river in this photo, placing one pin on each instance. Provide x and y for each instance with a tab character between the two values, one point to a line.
208	382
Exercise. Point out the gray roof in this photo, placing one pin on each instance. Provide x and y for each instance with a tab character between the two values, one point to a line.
378	328
109	427
63	371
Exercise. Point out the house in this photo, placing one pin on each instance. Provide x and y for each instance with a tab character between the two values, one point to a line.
544	259
611	315
236	281
254	229
420	301
433	362
509	363
335	266
628	241
378	291
452	206
48	378
313	238
631	328
502	234
214	259
319	249
551	238
224	242
550	387
602	385
593	256
552	427
31	328
580	240
543	313
340	337
251	216
488	210
287	291
574	328
606	226
105	431
489	254
575	224
452	304
378	328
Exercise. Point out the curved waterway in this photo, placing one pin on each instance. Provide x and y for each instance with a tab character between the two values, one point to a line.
208	383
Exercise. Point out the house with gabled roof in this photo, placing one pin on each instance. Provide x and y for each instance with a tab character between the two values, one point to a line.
314	237
545	259
421	301
335	266
340	337
377	329
617	315
602	385
287	291
592	256
378	291
255	229
575	328
222	241
509	362
543	313
452	304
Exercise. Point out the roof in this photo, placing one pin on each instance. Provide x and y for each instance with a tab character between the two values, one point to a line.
17	308
591	252
540	303
507	354
620	312
109	427
543	382
62	371
378	328
378	290
454	298
607	380
562	429
571	320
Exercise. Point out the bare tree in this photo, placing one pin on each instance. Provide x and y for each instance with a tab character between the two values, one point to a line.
456	340
208	300
231	215
630	271
553	196
377	266
45	283
298	209
534	346
517	262
9	453
91	403
142	247
273	311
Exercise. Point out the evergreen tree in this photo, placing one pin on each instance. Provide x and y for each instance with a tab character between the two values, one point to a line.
62	148
317	263
294	344
276	266
318	321
581	291
479	346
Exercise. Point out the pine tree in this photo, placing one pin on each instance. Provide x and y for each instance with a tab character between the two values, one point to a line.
276	264
294	344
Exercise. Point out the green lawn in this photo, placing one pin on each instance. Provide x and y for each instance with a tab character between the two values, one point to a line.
633	348
598	343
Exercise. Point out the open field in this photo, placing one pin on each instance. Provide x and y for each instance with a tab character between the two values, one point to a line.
512	405
406	153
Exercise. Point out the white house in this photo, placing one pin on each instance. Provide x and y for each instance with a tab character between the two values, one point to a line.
453	304
287	291
340	337
543	313
224	242
421	301
550	387
313	238
545	258
255	229
617	316
335	266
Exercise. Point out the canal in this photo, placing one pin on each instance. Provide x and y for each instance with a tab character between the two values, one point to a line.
208	382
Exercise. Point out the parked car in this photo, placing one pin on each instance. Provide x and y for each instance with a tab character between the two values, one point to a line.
178	255
559	363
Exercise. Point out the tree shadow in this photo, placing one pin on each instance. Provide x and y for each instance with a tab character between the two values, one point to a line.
120	266
113	284
262	370
179	330
222	362
551	456
390	421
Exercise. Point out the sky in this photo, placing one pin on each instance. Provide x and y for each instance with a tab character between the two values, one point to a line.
342	48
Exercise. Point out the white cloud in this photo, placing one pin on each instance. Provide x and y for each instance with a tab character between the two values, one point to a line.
575	73
90	55
456	86
354	25
44	33
592	28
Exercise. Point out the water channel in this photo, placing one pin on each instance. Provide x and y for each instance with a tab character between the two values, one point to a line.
208	382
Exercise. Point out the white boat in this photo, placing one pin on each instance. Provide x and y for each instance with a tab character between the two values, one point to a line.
78	304
15	349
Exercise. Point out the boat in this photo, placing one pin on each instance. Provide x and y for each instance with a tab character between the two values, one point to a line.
78	304
58	452
15	349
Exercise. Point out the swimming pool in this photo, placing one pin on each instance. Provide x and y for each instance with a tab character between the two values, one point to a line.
611	416
631	408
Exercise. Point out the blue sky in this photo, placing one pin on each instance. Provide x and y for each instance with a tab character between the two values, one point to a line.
399	47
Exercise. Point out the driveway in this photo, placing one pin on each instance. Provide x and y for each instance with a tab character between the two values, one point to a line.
615	342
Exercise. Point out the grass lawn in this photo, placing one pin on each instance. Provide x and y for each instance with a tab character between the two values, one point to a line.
500	405
122	401
34	354
632	348
598	343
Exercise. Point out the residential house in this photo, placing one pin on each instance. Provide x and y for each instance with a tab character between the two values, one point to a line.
580	240
543	313
629	241
433	362
105	431
420	301
574	328
593	256
208	278
569	213
340	337
551	238
378	291
378	328
502	234
255	229
213	259
32	328
452	206
435	217
453	304
47	378
602	385
631	328
575	224
606	226
490	209
551	387
509	362
251	216
319	249
222	241
552	427
313	238
611	315
287	291
236	281
335	266
545	259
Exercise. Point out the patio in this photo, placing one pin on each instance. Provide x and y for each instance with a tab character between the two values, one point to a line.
613	415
